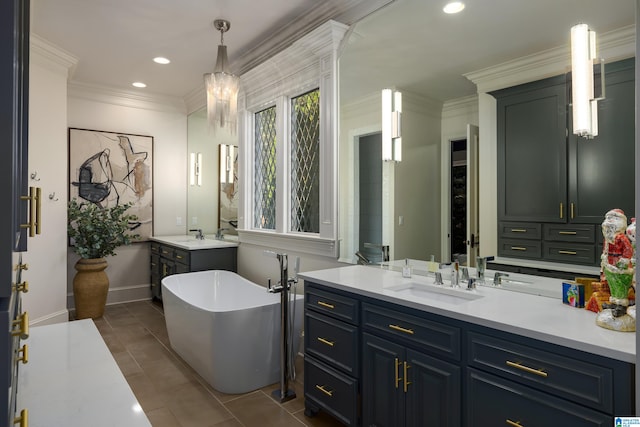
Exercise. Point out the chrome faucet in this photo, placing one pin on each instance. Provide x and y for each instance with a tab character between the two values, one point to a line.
497	278
198	232
481	263
220	234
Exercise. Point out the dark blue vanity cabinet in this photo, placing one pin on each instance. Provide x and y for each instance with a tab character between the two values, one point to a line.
14	114
373	363
554	187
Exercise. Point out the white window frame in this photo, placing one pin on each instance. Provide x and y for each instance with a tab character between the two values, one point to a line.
307	64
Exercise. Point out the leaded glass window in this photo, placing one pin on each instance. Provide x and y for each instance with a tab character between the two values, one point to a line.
264	215
305	162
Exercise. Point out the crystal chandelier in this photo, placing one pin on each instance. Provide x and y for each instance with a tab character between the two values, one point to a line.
222	87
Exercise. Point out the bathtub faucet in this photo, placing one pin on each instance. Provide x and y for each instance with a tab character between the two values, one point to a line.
199	234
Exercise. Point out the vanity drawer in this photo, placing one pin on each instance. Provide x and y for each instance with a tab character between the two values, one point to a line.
567	377
570	253
334	305
154	248
332	341
520	230
182	256
332	391
569	233
519	248
494	401
435	337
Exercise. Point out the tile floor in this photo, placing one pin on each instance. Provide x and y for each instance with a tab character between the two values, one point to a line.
174	395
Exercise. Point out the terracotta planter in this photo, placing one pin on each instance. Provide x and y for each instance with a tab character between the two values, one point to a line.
90	288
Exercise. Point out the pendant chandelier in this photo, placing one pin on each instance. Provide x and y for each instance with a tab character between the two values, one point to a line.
222	88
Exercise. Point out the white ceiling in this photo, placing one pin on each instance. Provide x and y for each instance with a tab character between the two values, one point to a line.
409	43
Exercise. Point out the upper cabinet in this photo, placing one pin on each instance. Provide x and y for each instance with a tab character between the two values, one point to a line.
554	188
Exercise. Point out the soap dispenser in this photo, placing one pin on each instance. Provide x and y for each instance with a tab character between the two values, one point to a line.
406	269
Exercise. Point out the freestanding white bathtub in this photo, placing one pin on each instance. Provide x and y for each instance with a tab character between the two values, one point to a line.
227	328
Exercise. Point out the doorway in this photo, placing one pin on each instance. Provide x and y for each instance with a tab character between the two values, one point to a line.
370	196
458	197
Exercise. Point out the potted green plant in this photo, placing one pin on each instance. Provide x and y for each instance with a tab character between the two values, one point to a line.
95	232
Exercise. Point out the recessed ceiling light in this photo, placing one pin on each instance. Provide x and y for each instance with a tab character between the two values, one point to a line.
138	84
453	7
161	60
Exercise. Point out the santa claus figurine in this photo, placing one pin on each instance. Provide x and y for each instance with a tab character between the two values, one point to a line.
617	270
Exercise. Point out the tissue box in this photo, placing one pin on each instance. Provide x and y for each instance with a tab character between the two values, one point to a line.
573	294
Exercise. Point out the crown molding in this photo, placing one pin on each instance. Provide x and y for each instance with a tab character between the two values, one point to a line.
460	106
51	56
109	95
614	45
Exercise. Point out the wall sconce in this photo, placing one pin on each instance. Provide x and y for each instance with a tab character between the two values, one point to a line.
195	169
391	125
584	102
227	157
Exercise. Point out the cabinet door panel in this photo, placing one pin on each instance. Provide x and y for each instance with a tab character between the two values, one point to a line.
433	395
493	401
602	170
532	155
382	392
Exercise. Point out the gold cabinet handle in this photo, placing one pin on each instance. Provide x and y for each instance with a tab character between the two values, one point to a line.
514	423
572	211
21	287
25	354
568	233
406	380
164	269
35	205
165	252
326	341
518	230
516	365
396	365
22	323
23	419
518	248
324	390
178	257
401	329
561	210
568	252
327	305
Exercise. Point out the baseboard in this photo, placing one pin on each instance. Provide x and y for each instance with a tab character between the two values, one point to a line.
58	317
120	295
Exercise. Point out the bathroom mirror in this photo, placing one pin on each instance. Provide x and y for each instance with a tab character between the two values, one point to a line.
204	190
413	47
228	188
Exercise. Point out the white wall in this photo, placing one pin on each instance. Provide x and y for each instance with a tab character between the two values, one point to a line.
166	121
47	275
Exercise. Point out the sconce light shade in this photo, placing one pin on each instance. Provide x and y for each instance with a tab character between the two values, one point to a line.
222	88
391	125
584	104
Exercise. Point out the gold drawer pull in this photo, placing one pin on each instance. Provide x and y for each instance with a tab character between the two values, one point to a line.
406	381
327	342
22	287
23	326
518	248
327	305
25	354
518	230
568	233
35	207
568	252
396	365
516	365
178	257
324	390
23	419
401	329
514	423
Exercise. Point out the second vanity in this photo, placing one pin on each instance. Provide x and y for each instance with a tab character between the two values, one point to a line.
385	350
183	254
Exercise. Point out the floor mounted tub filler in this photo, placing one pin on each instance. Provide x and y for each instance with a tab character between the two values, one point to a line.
227	328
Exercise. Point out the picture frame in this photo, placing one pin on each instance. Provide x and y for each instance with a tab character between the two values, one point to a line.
113	168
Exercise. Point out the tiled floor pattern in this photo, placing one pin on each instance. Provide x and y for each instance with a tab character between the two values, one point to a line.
174	395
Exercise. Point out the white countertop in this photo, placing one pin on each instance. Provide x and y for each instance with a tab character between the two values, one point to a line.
534	316
71	380
190	243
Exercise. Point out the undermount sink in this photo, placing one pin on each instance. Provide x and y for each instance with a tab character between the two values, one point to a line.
441	294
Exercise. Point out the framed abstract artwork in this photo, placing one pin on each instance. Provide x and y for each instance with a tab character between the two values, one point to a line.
110	169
